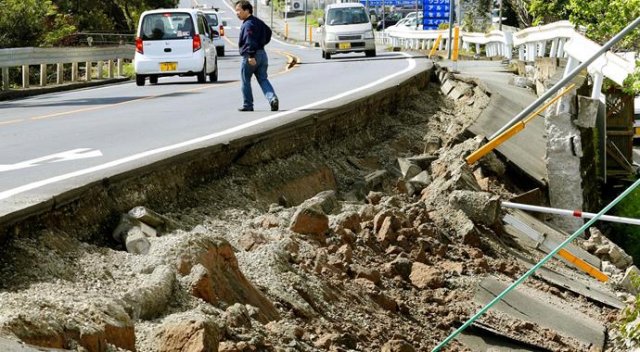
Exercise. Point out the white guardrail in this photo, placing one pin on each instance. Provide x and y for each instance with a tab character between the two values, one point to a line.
558	39
93	60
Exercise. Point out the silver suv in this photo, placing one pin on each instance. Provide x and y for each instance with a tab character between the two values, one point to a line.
173	42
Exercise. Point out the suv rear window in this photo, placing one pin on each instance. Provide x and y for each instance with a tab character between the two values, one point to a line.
212	19
169	25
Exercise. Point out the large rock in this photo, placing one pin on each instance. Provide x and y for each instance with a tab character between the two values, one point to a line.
481	207
227	282
424	276
150	299
310	221
187	332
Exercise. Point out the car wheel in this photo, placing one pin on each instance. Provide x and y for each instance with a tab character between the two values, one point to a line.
202	75
327	55
220	51
370	53
324	55
140	80
153	79
213	76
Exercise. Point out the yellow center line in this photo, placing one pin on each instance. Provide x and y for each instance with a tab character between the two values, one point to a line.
10	121
89	109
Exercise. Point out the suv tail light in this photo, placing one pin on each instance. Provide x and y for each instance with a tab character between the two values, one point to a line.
139	46
221	30
197	43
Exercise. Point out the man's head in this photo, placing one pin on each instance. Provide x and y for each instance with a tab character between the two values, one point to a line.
243	9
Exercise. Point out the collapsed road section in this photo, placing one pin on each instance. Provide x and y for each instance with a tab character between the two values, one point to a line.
363	229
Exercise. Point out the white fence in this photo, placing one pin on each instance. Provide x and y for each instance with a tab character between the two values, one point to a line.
92	60
558	39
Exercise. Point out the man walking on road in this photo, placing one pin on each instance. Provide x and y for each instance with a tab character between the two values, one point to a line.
254	35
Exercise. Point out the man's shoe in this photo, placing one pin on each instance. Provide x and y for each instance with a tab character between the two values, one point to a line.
274	104
244	108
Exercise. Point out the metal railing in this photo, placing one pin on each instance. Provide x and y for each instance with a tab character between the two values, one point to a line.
97	62
558	40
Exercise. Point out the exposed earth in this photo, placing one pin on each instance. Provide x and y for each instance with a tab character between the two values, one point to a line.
338	248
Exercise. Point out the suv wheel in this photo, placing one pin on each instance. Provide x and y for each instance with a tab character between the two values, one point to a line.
202	78
220	51
153	79
213	76
370	53
327	55
140	80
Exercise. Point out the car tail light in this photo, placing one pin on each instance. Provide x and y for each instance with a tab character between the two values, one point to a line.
221	30
197	43
139	46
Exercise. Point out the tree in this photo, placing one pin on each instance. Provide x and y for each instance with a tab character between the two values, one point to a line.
521	9
602	19
31	23
548	11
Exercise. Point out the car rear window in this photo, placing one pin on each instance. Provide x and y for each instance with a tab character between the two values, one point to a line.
169	25
212	19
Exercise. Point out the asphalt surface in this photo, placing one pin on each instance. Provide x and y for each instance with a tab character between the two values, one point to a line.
526	149
56	142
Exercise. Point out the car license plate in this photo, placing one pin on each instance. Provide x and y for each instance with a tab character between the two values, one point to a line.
344	45
168	66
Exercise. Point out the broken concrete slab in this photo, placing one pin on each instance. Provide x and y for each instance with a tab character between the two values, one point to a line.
480	337
580	284
522	225
542	309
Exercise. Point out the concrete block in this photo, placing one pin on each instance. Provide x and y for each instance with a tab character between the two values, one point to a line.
446	87
631	280
136	242
408	169
587	112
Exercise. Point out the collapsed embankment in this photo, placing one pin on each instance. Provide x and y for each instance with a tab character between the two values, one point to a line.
387	258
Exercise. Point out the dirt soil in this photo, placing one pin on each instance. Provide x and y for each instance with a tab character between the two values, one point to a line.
380	263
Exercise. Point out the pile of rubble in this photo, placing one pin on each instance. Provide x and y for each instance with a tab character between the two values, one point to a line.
390	259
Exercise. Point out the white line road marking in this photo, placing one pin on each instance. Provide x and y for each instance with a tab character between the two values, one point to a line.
31	186
75	154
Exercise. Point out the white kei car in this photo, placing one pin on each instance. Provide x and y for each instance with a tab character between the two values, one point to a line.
217	24
173	42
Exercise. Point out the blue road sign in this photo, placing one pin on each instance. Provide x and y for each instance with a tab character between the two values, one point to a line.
434	13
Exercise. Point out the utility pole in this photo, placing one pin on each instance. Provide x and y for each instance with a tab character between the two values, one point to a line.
305	20
450	41
500	17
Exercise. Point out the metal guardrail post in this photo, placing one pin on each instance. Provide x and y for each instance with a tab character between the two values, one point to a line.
59	73
74	72
43	75
87	69
120	71
563	82
111	69
5	78
25	76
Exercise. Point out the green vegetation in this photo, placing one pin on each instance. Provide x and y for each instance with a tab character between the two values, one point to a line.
312	19
50	22
548	11
626	236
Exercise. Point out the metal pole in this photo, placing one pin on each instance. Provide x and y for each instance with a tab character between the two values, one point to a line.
451	3
305	20
533	269
500	19
574	213
417	14
568	78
